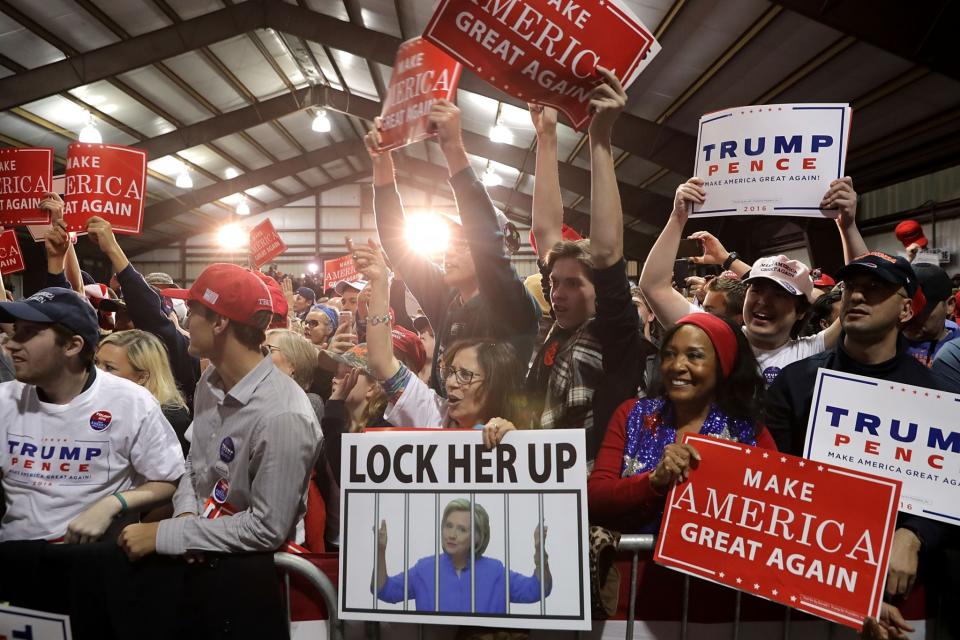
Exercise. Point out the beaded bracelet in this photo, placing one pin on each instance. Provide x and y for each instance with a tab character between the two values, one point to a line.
375	320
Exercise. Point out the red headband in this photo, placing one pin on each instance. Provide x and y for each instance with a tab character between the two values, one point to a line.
722	337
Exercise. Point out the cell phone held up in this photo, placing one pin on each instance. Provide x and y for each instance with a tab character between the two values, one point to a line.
681	269
690	248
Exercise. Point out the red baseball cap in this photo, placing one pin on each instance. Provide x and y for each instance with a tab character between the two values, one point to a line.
277	300
910	231
823	279
566	233
410	344
227	289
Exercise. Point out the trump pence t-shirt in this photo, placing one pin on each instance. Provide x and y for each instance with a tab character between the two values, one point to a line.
58	460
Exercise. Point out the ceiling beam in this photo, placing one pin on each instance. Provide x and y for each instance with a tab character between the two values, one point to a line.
924	33
135	250
167	209
114	59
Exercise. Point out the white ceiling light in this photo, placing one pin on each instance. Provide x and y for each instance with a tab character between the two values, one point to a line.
231	173
243	209
89	133
184	181
499	133
313	267
321	123
490	177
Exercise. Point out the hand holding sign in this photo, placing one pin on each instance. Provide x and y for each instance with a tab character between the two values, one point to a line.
687	195
56	243
674	466
607	100
52	205
373	141
841	196
445	120
544	120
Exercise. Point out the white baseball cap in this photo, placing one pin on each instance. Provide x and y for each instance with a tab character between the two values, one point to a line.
792	275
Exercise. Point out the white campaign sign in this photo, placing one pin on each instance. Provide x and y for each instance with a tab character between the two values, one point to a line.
423	487
33	625
894	430
776	159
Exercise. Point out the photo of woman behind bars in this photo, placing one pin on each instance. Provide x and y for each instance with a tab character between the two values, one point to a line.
454	575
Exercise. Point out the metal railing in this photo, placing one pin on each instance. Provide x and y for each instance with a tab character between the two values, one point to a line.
289	563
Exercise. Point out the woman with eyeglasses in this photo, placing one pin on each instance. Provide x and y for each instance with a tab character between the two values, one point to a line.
319	325
482	377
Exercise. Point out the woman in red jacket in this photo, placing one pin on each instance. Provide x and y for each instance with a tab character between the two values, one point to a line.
710	384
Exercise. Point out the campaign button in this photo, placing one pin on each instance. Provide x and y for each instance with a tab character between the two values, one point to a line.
220	491
227	450
770	374
100	420
222	469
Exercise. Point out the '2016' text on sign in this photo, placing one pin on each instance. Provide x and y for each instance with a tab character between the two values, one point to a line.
544	51
809	535
771	159
894	430
25	175
422	74
107	181
265	243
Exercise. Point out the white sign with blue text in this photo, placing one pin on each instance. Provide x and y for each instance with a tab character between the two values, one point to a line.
27	624
894	430
774	159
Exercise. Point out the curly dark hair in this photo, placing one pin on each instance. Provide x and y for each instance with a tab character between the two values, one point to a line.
739	395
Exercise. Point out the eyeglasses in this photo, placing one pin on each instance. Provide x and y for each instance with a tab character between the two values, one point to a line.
312	323
464	377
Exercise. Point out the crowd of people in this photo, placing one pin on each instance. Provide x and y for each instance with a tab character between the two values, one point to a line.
205	423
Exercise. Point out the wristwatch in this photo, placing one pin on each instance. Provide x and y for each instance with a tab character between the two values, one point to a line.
731	258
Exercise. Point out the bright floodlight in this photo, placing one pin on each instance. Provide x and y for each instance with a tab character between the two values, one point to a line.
89	133
232	237
243	209
490	178
184	181
321	123
313	267
499	133
231	173
427	233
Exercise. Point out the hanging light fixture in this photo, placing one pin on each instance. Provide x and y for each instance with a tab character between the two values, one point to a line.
184	181
490	177
321	123
501	134
231	173
243	209
89	133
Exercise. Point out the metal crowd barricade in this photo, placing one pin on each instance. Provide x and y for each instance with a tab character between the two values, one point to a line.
290	563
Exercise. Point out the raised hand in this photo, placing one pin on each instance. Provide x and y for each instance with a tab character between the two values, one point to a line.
373	140
842	196
544	119
687	194
382	536
445	119
368	260
607	100
713	250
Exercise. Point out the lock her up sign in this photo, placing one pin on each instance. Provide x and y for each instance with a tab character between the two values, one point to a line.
806	534
544	51
895	430
422	74
775	159
25	175
108	181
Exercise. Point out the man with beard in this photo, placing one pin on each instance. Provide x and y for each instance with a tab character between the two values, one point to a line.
880	296
477	293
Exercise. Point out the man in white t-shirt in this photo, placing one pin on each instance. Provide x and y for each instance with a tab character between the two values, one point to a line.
780	289
82	449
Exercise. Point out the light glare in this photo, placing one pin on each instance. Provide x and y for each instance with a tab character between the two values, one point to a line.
232	237
427	233
501	134
321	123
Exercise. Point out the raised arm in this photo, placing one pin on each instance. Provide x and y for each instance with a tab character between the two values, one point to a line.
369	262
606	213
547	215
666	303
841	195
715	253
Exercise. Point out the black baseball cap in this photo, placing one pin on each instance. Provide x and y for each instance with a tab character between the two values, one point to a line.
56	305
896	270
935	282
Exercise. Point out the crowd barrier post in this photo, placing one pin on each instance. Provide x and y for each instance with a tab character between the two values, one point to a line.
290	563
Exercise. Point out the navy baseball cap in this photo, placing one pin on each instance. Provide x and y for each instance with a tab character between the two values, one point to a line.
308	293
56	305
895	270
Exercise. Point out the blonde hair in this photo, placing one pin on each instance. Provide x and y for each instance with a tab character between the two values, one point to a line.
481	522
148	355
298	351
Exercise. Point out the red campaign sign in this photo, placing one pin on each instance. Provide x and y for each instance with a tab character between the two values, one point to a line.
265	243
25	175
812	536
544	51
11	258
108	181
338	269
421	75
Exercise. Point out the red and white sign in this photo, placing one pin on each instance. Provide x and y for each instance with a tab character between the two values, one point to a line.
806	534
265	243
544	51
11	258
25	175
772	159
338	269
108	181
422	74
